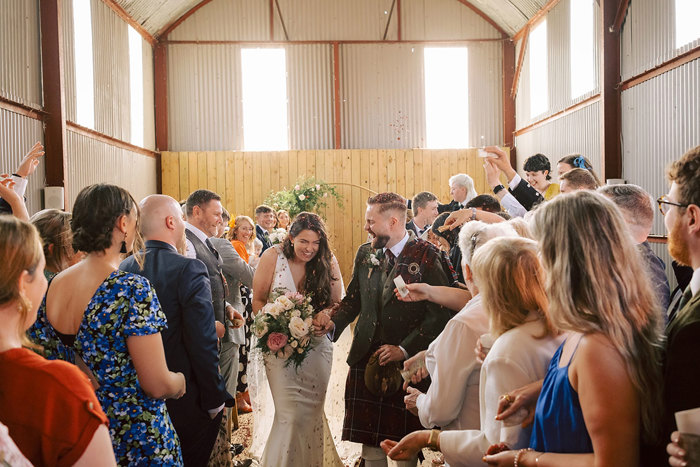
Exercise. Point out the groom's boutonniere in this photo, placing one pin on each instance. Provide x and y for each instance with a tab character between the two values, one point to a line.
373	260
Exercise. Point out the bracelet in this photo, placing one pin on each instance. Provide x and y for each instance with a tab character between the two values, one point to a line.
433	440
498	188
473	214
518	454
537	459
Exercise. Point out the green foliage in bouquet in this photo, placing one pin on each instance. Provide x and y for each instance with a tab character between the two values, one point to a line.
308	195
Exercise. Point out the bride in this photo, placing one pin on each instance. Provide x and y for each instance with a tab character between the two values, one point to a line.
303	263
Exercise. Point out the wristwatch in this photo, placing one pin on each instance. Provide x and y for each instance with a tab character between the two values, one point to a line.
433	443
498	188
473	218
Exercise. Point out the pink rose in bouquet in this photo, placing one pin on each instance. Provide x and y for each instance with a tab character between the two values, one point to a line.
276	341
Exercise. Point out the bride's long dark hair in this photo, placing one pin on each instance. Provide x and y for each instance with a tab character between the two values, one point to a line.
319	273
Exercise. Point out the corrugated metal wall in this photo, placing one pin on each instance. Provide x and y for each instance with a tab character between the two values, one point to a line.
17	135
558	64
576	132
111	65
648	36
20	55
92	161
227	20
442	20
661	121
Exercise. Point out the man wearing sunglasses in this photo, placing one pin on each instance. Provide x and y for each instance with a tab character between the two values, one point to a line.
681	210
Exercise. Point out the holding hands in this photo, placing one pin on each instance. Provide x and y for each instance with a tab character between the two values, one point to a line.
322	323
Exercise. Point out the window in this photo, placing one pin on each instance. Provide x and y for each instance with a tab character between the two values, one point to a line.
84	81
582	46
446	71
537	43
136	86
264	83
687	25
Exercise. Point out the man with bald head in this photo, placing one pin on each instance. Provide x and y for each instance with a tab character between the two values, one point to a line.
183	289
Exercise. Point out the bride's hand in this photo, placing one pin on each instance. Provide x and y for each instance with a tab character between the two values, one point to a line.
408	447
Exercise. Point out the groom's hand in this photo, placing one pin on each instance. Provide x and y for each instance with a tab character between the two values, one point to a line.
322	324
389	353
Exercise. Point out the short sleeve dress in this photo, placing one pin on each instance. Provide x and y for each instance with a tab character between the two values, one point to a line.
124	305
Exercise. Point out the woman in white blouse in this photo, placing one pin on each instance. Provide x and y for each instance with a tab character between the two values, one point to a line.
509	277
452	400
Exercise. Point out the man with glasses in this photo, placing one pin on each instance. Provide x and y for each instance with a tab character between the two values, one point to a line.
681	210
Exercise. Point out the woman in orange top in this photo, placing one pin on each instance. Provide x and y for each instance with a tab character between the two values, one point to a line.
49	407
242	235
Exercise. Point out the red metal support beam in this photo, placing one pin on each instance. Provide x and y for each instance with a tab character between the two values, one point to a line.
21	109
54	100
620	15
535	19
160	79
398	19
121	12
556	116
169	27
486	17
610	94
519	66
336	94
508	99
103	138
689	56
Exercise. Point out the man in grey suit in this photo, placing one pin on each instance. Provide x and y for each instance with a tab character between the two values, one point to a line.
236	272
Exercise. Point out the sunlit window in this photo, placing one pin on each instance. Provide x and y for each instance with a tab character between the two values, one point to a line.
582	47
264	85
84	81
687	24
446	97
136	86
537	46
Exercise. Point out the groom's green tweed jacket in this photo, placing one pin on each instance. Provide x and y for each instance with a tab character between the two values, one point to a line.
383	319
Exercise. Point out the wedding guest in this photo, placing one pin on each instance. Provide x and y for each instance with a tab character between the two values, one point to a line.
452	400
424	208
576	161
18	182
265	222
449	244
49	407
241	235
54	227
238	274
461	190
190	344
522	192
283	219
638	211
577	179
538	173
601	394
508	274
109	321
484	202
681	209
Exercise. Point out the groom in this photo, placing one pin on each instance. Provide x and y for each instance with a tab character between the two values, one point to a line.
387	329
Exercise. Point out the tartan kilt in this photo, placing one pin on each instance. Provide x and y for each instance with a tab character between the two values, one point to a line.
370	419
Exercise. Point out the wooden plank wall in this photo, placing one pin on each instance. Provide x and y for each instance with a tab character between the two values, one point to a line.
244	180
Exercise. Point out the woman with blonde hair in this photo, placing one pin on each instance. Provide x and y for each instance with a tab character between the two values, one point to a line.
601	394
49	407
54	227
510	279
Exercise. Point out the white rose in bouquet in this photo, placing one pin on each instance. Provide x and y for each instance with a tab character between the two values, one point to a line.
260	328
298	327
296	313
275	309
285	302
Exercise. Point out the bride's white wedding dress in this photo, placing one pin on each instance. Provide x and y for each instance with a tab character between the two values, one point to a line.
299	433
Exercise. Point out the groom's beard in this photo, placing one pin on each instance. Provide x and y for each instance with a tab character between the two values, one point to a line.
380	241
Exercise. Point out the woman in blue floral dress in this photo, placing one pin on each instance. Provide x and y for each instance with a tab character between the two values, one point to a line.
109	321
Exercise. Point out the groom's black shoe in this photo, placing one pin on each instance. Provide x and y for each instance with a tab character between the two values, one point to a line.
236	449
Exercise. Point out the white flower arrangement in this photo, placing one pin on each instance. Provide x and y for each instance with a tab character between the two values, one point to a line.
278	236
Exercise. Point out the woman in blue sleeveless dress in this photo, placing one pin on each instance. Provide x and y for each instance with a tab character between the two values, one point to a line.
601	394
108	322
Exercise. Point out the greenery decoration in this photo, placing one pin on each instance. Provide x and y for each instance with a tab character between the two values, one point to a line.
308	194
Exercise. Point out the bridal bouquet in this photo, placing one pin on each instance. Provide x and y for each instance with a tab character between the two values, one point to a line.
283	326
278	236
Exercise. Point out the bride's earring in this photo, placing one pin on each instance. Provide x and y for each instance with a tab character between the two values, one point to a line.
122	250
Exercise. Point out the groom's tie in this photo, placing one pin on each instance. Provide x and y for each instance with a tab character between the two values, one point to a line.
390	260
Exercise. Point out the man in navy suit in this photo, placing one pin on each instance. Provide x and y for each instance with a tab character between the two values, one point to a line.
265	221
183	289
